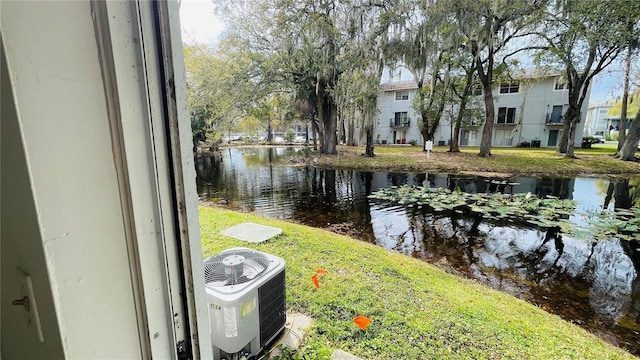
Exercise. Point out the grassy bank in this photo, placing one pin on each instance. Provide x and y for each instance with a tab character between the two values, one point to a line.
507	161
418	311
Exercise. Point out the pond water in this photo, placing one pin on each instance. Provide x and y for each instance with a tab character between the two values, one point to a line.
595	285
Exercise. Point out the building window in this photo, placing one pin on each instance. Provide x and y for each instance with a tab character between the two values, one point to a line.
560	83
510	88
401	119
506	115
402	95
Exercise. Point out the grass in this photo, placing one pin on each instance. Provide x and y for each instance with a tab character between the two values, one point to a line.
418	310
507	161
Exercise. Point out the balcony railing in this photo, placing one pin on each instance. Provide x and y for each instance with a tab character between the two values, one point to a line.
400	123
554	119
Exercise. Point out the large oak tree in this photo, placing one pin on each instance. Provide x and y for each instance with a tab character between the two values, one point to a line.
490	26
583	38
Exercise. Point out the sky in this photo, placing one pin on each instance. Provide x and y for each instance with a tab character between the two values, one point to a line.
200	25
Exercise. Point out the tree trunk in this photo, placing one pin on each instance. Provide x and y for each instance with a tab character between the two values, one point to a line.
351	127
368	152
622	134
486	78
429	130
321	115
306	135
562	143
570	136
567	142
327	116
454	147
424	118
315	130
631	143
464	98
487	131
342	129
425	135
331	138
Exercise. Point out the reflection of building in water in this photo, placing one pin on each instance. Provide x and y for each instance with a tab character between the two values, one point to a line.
560	187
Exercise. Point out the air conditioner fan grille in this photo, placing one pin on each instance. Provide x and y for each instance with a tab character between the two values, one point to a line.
234	267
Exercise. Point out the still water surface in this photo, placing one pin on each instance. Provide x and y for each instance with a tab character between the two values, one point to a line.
595	285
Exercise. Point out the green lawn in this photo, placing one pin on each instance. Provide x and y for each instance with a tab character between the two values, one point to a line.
507	161
418	310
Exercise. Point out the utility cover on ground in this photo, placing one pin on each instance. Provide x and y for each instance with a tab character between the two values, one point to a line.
254	233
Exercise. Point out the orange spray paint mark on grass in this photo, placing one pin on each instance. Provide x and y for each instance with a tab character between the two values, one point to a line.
315	281
362	321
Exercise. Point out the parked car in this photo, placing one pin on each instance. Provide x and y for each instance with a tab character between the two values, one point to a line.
587	141
299	139
598	139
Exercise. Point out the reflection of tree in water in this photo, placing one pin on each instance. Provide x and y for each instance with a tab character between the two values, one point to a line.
632	248
585	283
553	233
397	179
624	192
335	199
264	156
614	280
560	187
211	181
419	179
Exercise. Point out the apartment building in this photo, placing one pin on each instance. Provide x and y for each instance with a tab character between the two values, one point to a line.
529	111
597	121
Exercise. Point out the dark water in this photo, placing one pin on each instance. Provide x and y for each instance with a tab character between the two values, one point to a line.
595	285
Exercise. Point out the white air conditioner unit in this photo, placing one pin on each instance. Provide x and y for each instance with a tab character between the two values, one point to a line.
246	296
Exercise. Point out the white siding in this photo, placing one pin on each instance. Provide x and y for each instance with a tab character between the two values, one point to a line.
533	107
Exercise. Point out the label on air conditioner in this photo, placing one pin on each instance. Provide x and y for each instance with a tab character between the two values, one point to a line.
230	322
248	307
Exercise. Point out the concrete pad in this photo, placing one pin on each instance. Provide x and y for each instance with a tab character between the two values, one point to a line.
250	232
343	355
295	330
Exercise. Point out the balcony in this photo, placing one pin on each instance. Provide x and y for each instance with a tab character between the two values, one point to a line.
399	124
553	119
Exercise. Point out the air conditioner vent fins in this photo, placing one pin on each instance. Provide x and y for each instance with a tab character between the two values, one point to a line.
234	268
